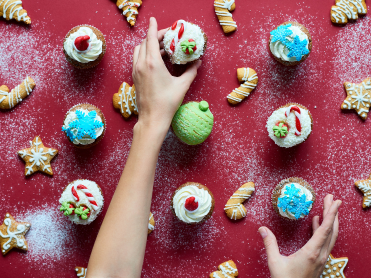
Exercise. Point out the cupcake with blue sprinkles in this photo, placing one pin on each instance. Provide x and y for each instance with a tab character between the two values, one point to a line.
293	198
84	126
290	43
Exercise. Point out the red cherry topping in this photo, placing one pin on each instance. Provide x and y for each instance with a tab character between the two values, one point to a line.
72	206
85	209
82	43
190	204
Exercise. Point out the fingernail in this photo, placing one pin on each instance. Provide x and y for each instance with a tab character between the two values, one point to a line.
339	203
263	232
331	197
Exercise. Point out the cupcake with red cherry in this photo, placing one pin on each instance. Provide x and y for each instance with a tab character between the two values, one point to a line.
192	203
82	201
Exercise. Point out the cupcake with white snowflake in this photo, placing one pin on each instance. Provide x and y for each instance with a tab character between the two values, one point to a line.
290	125
82	201
84	125
290	43
184	42
293	198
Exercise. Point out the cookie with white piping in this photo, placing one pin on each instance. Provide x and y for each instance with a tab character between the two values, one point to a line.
192	203
290	125
250	80
225	270
126	100
130	9
13	9
82	201
293	198
151	223
81	271
222	10
10	99
290	43
345	10
334	267
234	207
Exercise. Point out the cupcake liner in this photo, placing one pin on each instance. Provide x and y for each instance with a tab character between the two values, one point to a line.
277	192
91	64
207	216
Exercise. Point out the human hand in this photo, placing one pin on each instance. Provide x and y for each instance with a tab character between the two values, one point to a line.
310	260
159	94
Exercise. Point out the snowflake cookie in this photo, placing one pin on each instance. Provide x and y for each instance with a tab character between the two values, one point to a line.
12	9
334	267
125	100
345	10
222	10
10	99
250	79
365	187
234	208
226	270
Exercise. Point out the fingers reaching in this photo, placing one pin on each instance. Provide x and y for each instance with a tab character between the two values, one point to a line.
189	75
153	38
270	243
315	223
136	55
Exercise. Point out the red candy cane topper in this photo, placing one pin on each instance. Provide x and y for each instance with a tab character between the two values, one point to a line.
174	42
87	193
297	112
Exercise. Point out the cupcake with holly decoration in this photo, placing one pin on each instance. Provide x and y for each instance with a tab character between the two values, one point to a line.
290	125
290	43
81	201
184	42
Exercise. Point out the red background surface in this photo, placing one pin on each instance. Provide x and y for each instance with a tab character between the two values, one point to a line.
238	150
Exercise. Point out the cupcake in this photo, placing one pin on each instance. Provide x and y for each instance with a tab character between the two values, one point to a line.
81	201
84	46
193	122
84	125
290	125
184	42
290	43
293	198
192	203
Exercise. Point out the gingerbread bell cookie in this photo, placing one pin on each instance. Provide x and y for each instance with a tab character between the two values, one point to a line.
13	9
365	187
222	10
226	270
12	234
234	208
345	10
151	223
358	97
10	99
334	267
81	271
130	9
126	100
250	81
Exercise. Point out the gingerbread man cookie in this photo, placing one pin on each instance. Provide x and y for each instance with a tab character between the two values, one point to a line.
250	79
125	100
81	271
334	267
130	9
10	9
222	10
365	187
234	208
345	10
226	270
38	157
358	97
151	223
10	99
12	234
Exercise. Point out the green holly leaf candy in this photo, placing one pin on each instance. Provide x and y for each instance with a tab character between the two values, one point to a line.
280	130
82	213
66	209
188	45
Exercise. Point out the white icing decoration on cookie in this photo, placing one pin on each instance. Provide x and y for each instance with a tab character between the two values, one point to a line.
247	85
227	4
127	99
12	7
239	207
14	96
12	235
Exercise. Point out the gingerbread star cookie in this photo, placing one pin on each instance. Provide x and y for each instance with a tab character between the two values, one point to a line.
12	9
226	270
81	271
10	99
358	97
126	100
12	234
130	9
234	208
250	80
334	267
37	157
151	223
365	187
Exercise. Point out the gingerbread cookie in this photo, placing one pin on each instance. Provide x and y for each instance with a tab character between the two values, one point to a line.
81	271
130	9
226	270
234	208
365	187
10	99
345	10
12	9
358	97
38	157
12	234
151	223
222	10
334	267
126	100
250	79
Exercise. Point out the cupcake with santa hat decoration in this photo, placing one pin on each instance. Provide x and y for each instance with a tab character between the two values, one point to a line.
184	42
192	203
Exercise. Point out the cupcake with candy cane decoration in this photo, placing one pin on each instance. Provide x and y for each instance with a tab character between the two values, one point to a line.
184	42
81	201
290	125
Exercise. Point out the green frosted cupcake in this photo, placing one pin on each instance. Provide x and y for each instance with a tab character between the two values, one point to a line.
193	122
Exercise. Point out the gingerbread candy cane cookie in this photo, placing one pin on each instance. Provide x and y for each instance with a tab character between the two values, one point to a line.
250	79
222	10
234	208
10	99
345	10
130	9
226	270
125	100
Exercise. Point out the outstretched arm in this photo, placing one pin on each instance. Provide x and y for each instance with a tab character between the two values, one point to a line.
119	248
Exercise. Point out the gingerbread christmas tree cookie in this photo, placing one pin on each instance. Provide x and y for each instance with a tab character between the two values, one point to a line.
334	267
130	9
126	100
358	97
226	270
12	9
10	99
365	187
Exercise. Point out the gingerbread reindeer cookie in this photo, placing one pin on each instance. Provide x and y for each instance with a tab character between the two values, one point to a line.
12	9
130	9
234	208
10	99
345	10
125	100
226	270
222	10
250	79
80	271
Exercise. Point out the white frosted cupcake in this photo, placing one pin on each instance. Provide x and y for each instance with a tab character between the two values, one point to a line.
192	203
184	42
290	125
81	201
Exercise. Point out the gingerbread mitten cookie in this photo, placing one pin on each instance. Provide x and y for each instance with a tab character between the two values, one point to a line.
226	270
334	267
345	10
222	10
126	100
10	99
130	9
151	223
12	9
250	79
81	271
234	208
365	187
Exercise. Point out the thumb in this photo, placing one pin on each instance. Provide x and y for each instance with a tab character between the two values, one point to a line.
270	243
189	75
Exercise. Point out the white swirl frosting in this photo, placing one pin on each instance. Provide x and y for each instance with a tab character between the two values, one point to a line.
91	54
280	50
204	203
